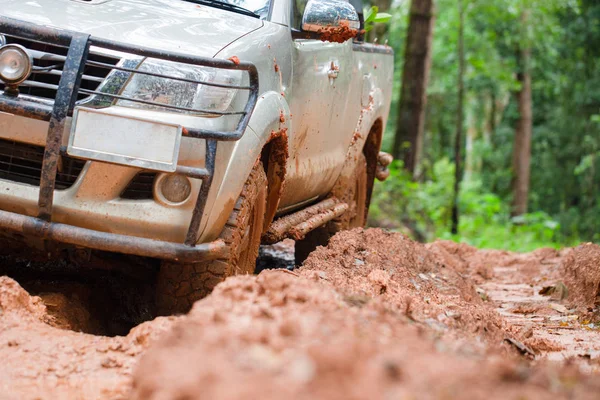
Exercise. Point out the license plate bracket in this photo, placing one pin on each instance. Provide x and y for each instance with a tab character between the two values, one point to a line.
103	136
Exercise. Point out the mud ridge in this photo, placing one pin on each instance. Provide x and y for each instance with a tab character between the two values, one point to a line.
373	315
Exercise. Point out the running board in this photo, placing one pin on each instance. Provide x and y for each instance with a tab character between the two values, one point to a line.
297	225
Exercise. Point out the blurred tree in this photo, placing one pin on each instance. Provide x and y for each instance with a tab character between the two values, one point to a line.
563	62
413	99
458	140
523	131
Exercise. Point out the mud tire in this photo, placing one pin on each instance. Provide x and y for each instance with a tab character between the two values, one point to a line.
358	217
356	196
179	285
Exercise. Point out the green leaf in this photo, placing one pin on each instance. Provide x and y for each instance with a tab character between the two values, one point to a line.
371	14
382	17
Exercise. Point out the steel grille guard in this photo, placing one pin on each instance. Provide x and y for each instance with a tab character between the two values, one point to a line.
68	88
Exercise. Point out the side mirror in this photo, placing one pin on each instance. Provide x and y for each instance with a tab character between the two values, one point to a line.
331	18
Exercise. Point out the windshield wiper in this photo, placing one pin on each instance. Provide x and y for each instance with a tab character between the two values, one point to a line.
225	6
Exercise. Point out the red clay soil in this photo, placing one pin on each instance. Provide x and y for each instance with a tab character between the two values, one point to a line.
372	316
547	295
337	34
581	272
42	361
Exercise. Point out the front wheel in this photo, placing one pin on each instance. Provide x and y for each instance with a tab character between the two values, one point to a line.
180	285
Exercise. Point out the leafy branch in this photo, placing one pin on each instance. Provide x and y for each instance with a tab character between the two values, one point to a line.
373	17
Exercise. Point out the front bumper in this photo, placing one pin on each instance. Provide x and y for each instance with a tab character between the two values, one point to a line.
112	242
44	225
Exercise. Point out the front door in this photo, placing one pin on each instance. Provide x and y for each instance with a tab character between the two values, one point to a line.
322	129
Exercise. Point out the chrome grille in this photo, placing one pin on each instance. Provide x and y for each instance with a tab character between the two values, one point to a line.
44	83
20	162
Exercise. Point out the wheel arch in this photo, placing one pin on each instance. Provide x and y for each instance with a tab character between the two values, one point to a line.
371	150
274	158
367	139
265	139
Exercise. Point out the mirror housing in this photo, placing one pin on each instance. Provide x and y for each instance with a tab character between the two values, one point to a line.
331	16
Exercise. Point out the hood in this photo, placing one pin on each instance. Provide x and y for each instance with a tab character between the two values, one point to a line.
174	25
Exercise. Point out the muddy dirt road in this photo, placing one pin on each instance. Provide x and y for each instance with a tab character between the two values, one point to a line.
372	316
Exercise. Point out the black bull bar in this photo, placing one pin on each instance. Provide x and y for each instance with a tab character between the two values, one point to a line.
78	45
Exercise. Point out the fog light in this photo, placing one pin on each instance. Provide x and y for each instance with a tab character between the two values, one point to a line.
15	64
173	189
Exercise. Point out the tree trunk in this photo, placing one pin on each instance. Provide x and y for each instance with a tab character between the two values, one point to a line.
413	99
460	117
472	159
523	131
489	116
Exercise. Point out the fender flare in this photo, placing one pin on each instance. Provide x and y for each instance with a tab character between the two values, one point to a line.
270	121
371	115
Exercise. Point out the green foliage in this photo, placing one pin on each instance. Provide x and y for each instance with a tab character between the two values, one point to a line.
422	210
422	206
372	17
564	200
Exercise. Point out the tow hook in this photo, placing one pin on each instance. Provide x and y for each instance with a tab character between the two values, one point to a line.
383	161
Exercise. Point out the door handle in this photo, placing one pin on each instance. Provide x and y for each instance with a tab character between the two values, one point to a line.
334	70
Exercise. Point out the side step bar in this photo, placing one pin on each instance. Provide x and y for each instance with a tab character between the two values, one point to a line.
297	225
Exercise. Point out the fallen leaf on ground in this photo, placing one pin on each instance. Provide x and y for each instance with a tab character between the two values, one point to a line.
558	307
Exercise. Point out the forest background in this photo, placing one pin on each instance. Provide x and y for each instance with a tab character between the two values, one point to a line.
503	98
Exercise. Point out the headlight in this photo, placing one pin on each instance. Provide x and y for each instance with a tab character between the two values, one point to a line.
173	92
15	64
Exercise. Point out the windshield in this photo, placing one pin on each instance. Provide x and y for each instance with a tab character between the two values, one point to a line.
258	7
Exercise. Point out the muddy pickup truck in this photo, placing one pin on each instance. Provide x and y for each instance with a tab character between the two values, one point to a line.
187	132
